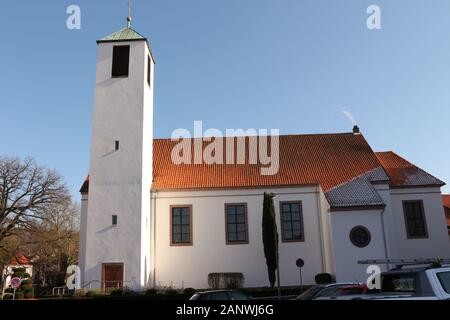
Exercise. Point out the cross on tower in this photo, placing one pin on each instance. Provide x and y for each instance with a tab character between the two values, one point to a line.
129	14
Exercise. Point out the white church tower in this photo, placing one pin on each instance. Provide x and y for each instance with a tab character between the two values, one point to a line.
115	222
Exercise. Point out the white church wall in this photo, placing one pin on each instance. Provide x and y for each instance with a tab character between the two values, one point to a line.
437	244
189	266
147	169
386	219
345	253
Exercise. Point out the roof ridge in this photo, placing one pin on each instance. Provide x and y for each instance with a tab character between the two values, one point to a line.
281	135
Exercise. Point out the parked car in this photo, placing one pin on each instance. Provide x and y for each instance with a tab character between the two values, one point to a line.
417	283
220	295
324	290
350	292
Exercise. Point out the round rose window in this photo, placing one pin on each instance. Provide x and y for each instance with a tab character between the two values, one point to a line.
360	236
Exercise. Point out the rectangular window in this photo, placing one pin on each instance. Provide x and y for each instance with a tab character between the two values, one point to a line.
116	145
416	227
292	221
114	220
149	71
181	225
120	61
236	227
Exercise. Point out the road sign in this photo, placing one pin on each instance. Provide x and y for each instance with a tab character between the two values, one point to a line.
300	263
15	282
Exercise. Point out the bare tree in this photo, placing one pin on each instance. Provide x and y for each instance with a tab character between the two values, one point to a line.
28	193
51	243
55	242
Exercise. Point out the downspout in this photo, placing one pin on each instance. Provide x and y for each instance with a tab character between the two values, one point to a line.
321	235
153	228
386	247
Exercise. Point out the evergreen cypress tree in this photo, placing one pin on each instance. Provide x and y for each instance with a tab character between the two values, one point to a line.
270	237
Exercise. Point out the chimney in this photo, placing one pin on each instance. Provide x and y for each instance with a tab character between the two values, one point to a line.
356	130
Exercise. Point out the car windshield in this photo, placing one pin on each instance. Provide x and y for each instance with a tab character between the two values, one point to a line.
444	279
311	292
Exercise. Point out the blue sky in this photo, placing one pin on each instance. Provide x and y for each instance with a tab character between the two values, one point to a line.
286	64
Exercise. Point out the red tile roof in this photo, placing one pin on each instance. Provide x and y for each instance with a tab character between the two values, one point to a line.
329	160
403	173
20	260
325	159
446	200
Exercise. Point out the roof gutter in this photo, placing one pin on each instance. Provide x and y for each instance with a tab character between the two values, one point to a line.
354	208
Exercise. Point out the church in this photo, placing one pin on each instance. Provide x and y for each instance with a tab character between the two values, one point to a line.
147	222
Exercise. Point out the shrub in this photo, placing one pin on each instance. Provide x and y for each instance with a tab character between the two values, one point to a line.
151	292
78	293
171	292
27	288
229	280
29	295
272	292
323	278
91	294
19	295
19	270
233	280
189	291
214	280
41	291
7	296
116	293
27	282
122	292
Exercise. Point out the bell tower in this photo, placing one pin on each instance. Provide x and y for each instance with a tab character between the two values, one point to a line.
115	230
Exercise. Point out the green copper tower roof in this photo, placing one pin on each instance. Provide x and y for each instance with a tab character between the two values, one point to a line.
126	34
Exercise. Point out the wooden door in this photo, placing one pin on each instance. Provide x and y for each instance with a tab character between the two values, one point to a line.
112	275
